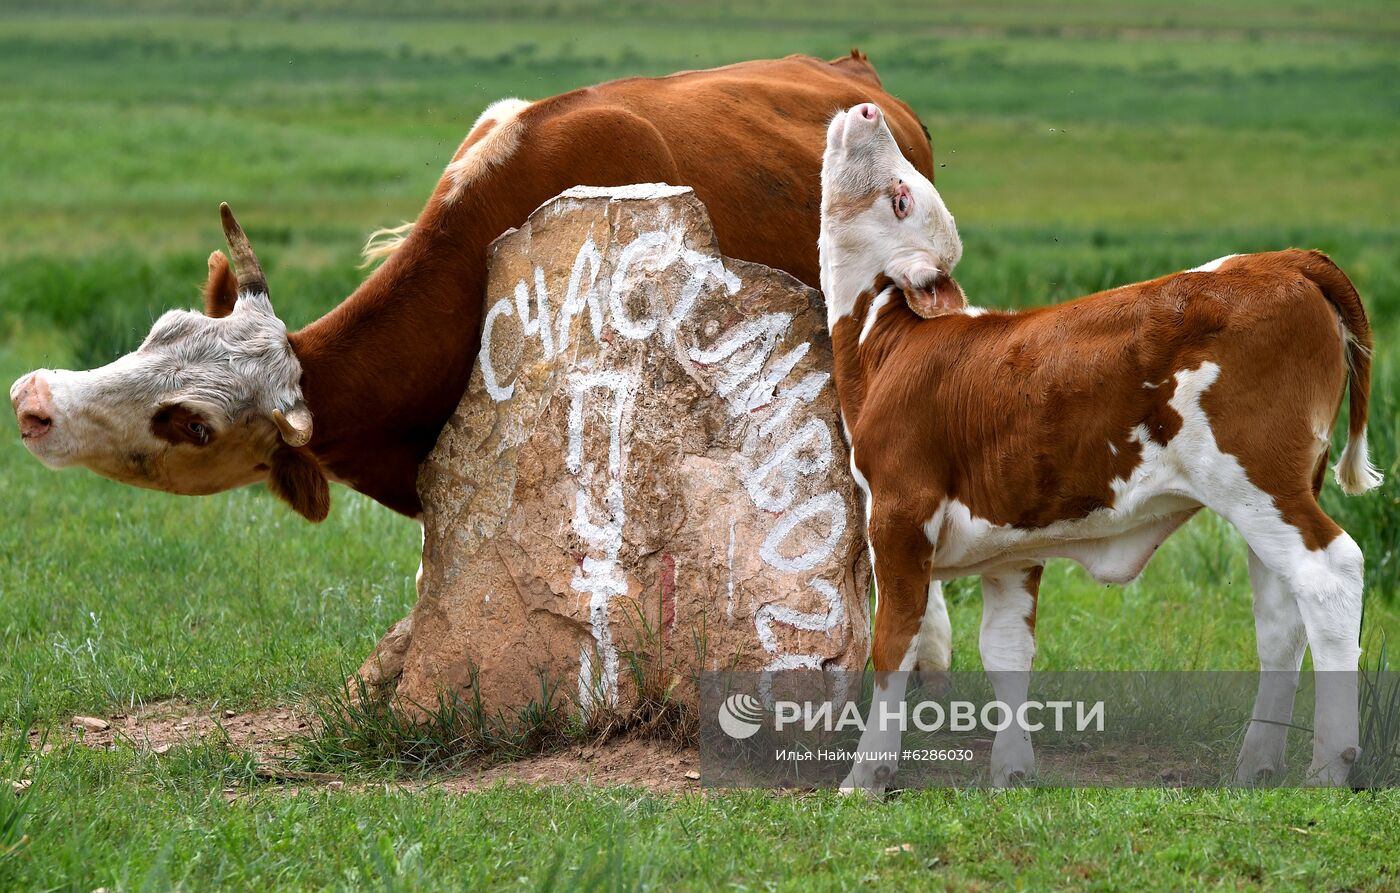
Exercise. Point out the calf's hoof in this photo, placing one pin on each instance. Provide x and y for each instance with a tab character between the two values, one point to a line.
1258	773
1012	776
1013	759
868	780
1334	771
1257	778
861	793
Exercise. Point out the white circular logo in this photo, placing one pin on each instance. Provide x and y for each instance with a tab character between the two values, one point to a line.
740	716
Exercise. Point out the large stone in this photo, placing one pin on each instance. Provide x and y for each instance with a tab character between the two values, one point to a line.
647	468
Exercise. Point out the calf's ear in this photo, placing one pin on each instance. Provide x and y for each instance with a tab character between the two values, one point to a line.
297	479
939	295
221	288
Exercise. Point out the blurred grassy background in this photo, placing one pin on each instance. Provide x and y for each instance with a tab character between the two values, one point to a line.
1081	145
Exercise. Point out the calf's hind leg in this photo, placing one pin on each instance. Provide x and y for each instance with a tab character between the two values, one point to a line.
1259	468
1325	582
935	637
1280	638
1008	647
1328	587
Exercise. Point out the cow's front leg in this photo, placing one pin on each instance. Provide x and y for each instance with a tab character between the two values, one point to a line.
902	573
1008	647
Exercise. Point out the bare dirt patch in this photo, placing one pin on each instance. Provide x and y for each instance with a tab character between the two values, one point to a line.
162	725
635	762
267	733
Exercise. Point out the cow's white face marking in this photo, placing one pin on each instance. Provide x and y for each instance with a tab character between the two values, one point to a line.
865	230
502	131
189	411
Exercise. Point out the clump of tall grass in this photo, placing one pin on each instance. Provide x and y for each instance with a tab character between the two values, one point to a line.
357	728
1379	763
665	693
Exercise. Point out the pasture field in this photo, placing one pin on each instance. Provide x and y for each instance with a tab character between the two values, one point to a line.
1081	145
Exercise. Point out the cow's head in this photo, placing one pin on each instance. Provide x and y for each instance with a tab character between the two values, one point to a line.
881	216
208	402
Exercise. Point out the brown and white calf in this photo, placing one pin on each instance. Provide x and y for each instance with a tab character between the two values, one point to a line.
987	442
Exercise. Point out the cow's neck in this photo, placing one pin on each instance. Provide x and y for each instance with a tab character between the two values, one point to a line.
384	370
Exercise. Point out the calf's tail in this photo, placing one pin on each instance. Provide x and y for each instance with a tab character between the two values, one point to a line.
1355	473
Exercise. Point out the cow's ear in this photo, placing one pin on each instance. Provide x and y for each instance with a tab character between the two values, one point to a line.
221	288
939	295
297	478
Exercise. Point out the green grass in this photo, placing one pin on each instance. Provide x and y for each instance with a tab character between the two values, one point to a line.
162	823
1080	145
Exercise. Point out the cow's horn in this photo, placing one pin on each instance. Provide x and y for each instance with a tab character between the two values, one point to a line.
251	280
295	424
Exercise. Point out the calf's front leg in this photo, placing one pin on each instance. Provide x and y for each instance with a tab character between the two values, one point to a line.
902	583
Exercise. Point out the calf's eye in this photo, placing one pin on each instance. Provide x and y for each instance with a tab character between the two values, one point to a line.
902	201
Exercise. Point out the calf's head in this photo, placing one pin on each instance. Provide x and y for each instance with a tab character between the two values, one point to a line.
209	401
882	218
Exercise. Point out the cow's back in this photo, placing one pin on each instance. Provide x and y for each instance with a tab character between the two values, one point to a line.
748	138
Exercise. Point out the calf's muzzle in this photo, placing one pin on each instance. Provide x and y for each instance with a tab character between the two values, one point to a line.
33	405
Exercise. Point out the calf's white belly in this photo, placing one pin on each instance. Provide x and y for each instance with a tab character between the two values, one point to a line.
1113	544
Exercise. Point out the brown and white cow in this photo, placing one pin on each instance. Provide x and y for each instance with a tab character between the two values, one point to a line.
988	442
196	408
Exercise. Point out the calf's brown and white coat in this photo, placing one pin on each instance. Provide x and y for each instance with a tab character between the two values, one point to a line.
988	442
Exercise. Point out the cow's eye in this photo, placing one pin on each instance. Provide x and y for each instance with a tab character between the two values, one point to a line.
176	423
